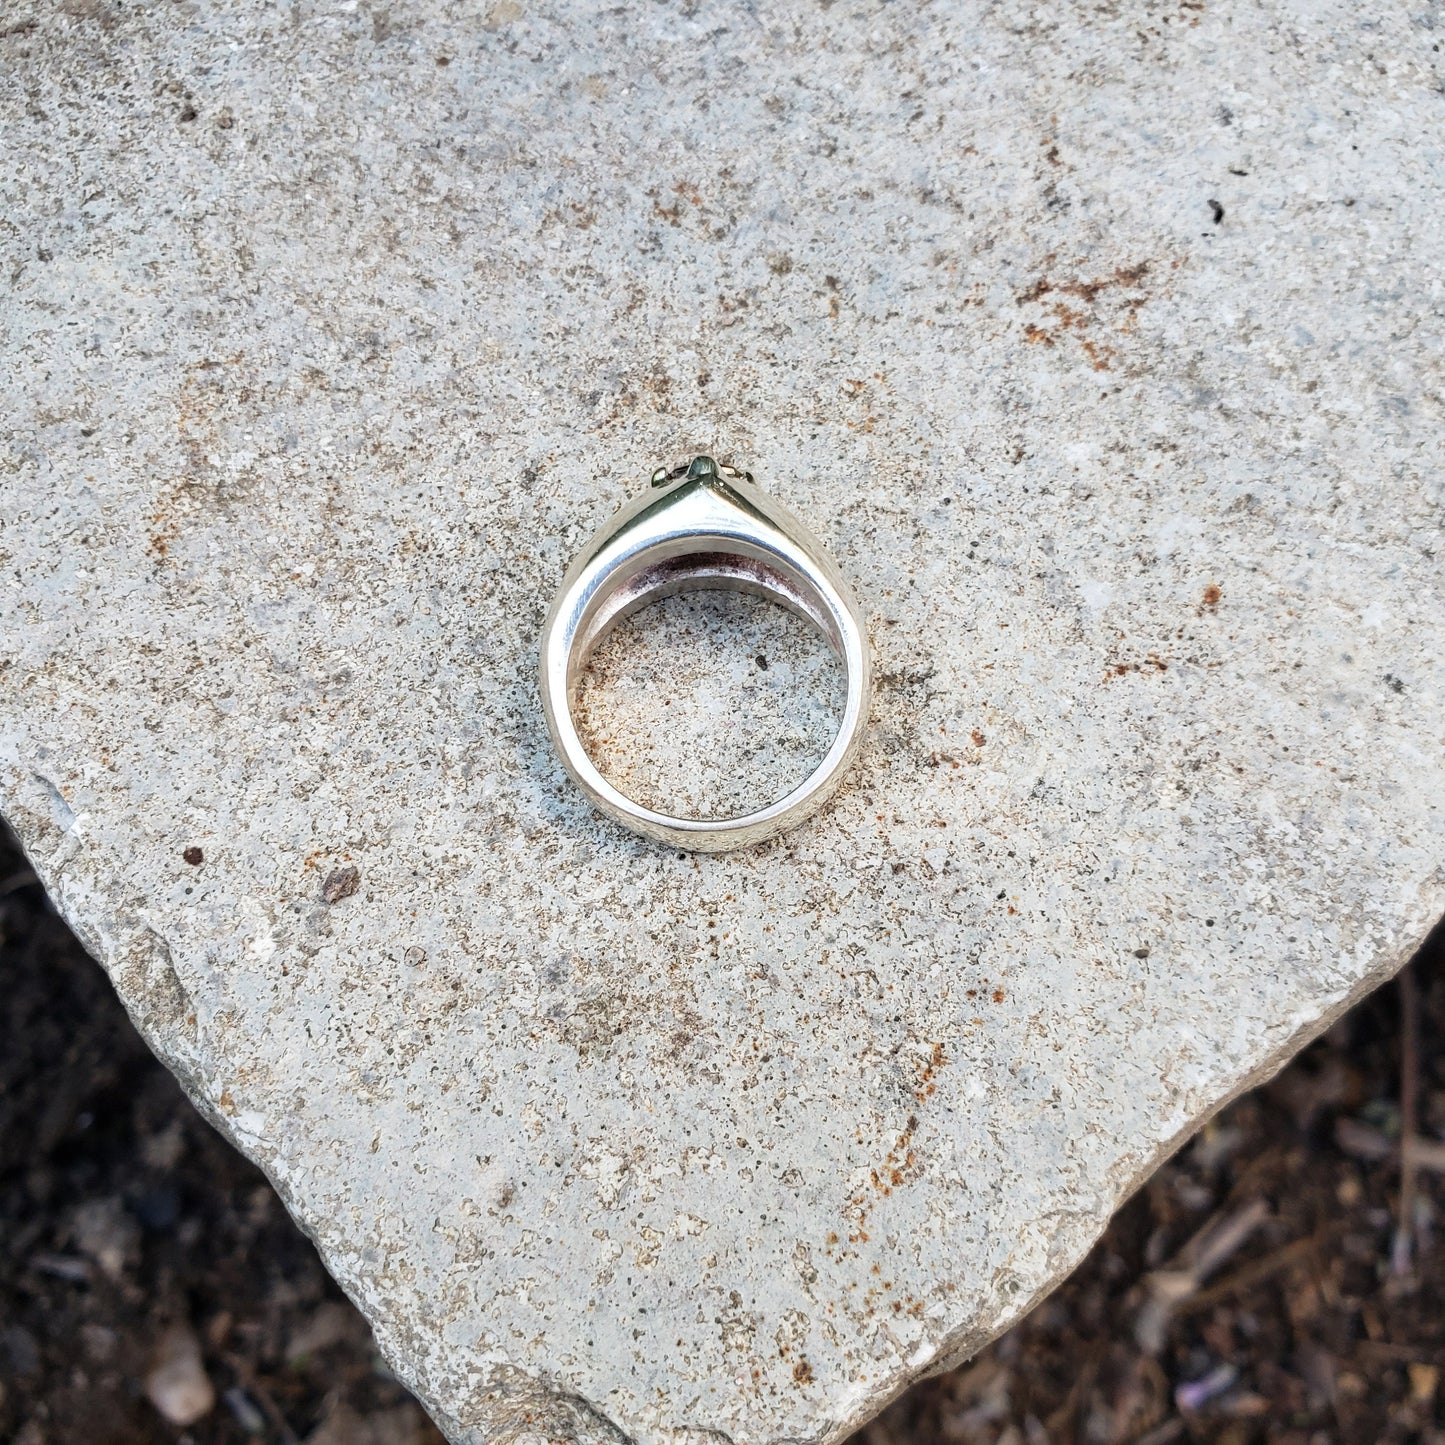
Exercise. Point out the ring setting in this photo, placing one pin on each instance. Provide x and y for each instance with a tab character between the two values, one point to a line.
701	527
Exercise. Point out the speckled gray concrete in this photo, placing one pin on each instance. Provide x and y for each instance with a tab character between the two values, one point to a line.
332	331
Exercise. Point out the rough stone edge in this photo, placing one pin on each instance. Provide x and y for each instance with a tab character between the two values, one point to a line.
1301	1039
534	1413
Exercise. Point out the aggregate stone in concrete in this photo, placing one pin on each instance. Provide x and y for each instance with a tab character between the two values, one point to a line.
1102	346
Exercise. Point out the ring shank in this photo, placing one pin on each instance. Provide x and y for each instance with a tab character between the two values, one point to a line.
696	537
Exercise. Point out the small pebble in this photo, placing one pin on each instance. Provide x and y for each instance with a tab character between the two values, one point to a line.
328	1325
1424	1380
340	883
178	1385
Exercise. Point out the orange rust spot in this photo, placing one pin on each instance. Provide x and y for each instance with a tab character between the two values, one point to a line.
1212	594
1153	663
1128	277
978	738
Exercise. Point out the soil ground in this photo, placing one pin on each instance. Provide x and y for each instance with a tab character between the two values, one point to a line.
1281	1280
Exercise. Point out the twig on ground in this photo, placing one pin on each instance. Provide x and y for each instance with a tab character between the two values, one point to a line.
1167	1289
1426	1153
258	1392
1163	1434
1260	1269
1062	1424
1402	1250
1361	1141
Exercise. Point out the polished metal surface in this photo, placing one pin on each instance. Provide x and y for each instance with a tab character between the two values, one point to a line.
701	526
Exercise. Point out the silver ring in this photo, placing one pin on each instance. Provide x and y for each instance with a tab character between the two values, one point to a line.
701	527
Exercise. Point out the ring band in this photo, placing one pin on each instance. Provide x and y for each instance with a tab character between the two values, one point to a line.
701	527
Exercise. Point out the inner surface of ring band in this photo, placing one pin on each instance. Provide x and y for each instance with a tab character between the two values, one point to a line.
657	574
654	578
